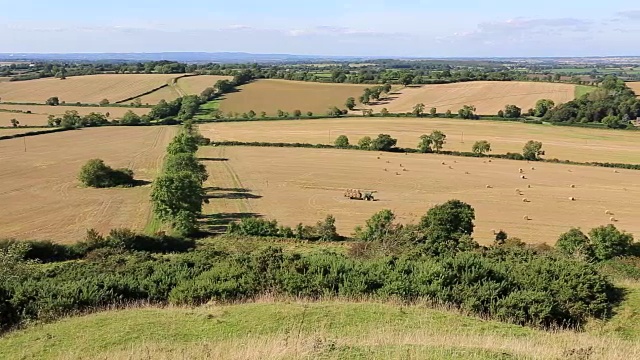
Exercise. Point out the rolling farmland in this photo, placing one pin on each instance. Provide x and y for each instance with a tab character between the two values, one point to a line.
487	96
304	185
566	143
42	199
635	86
84	89
271	95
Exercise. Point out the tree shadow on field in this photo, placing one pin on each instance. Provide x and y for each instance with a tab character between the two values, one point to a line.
233	196
218	223
212	159
139	183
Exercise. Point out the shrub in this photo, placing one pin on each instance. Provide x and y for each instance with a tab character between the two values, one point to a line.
342	142
608	242
383	142
95	173
254	227
365	143
574	243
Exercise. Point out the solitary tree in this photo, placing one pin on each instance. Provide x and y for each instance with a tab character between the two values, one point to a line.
365	143
350	103
438	139
481	147
512	112
15	122
542	106
418	110
425	144
252	114
297	113
467	112
384	112
433	112
448	114
104	102
532	150
342	142
53	101
383	142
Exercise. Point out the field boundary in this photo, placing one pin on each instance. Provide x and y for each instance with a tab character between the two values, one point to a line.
508	156
173	81
34	133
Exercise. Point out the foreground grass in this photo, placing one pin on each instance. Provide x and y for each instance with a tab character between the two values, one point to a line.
293	330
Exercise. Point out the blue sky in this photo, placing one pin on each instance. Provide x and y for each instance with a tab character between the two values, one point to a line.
329	27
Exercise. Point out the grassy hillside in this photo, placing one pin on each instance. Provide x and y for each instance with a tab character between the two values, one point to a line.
321	330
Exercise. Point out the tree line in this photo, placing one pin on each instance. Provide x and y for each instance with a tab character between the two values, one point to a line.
177	194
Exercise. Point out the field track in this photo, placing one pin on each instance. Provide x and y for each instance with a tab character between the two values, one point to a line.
487	96
304	185
42	199
566	143
85	89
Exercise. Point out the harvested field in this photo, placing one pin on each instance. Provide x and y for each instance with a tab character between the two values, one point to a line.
304	185
14	131
271	95
42	199
84	89
3	79
24	119
167	93
487	96
40	113
193	85
635	86
566	143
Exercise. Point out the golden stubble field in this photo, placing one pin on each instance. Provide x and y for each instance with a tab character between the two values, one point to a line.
273	95
635	86
40	113
304	185
566	143
190	85
487	96
84	89
41	197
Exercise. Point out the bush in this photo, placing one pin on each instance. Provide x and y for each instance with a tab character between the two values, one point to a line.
342	142
383	142
608	242
95	173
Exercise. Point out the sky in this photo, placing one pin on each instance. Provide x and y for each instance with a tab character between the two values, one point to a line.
400	28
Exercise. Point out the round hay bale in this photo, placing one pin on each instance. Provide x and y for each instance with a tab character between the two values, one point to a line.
489	187
573	186
523	177
612	219
572	198
529	186
525	200
526	217
608	212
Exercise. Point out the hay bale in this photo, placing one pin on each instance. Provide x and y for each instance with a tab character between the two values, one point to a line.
616	171
608	212
526	217
525	200
521	170
573	186
533	168
523	177
489	187
529	186
572	198
612	219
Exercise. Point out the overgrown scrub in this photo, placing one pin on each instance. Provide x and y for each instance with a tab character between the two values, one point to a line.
95	173
513	285
322	231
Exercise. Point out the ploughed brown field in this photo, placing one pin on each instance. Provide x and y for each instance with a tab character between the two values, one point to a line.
190	85
40	113
85	89
42	199
304	185
566	143
273	95
488	97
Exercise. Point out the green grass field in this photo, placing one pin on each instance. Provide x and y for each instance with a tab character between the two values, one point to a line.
329	329
583	89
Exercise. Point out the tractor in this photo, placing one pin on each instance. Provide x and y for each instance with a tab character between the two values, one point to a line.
355	194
